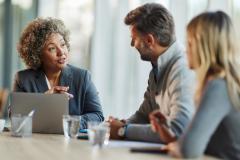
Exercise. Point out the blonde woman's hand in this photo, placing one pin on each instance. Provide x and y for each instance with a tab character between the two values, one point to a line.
60	89
162	126
157	119
173	149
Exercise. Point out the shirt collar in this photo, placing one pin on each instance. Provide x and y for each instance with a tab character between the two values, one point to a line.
166	57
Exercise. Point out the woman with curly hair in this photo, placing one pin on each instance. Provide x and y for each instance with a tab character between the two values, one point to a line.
212	53
44	47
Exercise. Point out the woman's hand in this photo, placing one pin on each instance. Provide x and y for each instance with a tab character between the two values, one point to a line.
160	124
157	119
173	149
59	89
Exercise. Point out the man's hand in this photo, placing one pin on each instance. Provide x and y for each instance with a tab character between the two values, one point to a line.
115	124
59	89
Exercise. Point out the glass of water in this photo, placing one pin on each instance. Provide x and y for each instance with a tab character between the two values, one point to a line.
71	125
98	133
21	126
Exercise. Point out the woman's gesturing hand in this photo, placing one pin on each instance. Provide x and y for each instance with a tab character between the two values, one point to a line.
59	89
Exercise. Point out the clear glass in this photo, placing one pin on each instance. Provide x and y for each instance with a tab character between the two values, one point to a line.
2	124
98	133
21	125
71	126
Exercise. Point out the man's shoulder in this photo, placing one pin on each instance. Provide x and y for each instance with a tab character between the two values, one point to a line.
180	63
177	56
179	60
178	68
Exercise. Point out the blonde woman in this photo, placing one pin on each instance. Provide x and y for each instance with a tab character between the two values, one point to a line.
212	53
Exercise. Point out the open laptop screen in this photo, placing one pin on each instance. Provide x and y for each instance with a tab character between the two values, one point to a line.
49	109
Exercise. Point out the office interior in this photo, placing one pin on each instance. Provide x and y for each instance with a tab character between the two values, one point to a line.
100	41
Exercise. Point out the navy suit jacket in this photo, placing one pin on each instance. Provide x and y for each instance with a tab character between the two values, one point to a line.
85	102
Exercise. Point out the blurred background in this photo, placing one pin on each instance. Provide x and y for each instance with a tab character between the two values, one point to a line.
100	42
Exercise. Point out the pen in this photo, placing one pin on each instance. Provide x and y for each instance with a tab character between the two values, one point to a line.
30	114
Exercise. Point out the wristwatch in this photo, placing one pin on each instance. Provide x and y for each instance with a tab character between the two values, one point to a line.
122	131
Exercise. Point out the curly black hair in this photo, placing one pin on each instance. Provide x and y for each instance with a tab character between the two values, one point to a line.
34	36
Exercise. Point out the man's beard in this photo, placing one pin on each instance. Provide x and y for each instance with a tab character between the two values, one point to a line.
145	52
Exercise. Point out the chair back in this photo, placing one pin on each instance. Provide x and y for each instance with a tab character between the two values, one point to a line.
3	99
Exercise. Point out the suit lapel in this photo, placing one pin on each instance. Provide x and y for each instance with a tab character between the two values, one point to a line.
66	77
40	81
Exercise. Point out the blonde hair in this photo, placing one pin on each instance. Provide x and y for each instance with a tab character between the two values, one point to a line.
215	51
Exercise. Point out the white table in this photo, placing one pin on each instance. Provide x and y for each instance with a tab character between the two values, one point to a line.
56	147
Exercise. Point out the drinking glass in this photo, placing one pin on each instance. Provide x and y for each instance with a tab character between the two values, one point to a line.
21	126
98	133
71	125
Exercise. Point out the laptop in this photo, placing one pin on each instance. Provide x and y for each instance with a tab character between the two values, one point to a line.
49	109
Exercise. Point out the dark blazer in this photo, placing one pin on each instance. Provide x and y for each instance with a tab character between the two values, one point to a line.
85	102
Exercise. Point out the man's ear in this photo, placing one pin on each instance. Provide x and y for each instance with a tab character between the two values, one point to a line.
150	40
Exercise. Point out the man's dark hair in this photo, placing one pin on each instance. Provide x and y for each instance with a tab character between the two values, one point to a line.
155	19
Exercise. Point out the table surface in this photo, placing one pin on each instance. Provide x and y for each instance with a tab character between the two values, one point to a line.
49	146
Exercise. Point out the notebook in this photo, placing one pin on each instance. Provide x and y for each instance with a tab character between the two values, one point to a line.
49	109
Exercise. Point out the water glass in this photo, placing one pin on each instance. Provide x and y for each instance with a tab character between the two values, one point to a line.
98	133
71	125
21	126
2	124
